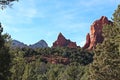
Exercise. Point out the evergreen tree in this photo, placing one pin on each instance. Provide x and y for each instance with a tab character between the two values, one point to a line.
116	17
106	64
1	39
4	57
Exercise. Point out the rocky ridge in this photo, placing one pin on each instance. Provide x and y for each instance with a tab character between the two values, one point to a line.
39	44
95	35
63	42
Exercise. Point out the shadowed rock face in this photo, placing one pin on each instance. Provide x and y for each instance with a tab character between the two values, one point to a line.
63	42
95	35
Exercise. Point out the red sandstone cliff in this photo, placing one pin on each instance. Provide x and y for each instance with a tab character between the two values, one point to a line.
63	42
95	35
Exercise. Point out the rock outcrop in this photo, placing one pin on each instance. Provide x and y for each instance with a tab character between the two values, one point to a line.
95	35
63	42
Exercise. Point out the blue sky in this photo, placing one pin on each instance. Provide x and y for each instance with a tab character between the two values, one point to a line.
32	20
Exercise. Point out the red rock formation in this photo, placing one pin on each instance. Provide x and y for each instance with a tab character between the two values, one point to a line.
60	41
96	33
72	45
63	42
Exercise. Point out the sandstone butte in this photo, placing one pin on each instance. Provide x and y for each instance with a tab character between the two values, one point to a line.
95	35
63	42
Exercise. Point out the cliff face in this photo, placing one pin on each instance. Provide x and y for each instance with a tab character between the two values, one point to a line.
95	35
63	42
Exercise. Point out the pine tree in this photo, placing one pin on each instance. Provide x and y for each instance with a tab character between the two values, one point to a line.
106	64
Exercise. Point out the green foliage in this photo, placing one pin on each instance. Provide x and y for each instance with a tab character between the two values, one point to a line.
72	72
25	69
18	64
4	56
116	17
54	71
75	55
4	63
1	38
106	64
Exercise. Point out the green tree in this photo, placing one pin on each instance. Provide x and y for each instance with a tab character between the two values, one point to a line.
17	64
54	71
116	17
4	57
106	64
72	72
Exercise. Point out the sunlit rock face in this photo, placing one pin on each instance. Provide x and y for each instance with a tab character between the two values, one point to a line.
95	35
63	42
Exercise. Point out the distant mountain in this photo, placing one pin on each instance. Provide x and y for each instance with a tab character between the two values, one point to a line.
39	44
16	43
